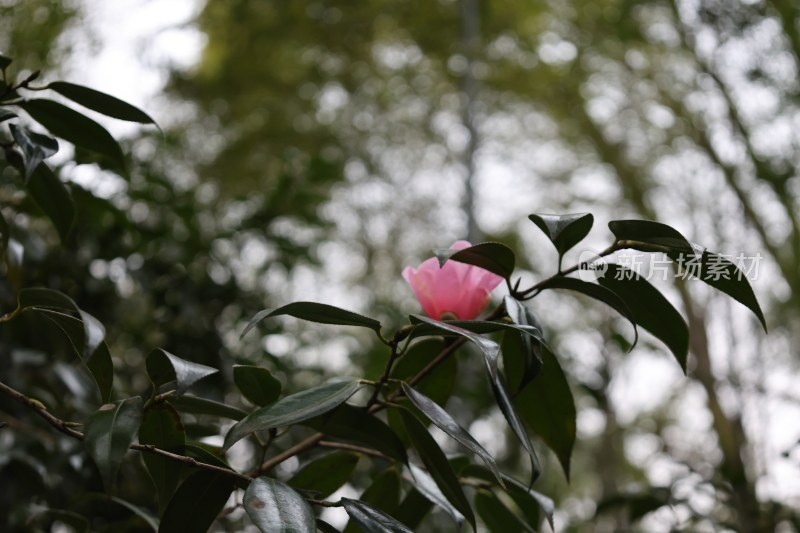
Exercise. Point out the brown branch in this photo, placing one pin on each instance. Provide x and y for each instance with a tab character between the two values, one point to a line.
41	410
298	448
352	448
64	427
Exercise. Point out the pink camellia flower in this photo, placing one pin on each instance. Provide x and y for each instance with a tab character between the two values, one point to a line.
456	288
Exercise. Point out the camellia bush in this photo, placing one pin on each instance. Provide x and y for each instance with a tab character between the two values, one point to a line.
378	423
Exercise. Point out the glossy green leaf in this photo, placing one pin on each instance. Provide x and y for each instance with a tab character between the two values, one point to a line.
382	494
85	332
726	277
316	312
425	486
276	508
442	419
109	433
354	424
372	520
42	298
598	292
74	127
257	384
100	102
547	406
650	309
161	426
436	463
480	327
649	236
196	504
496	516
491	352
294	408
203	406
529	501
163	367
564	231
522	356
492	256
35	147
326	474
53	198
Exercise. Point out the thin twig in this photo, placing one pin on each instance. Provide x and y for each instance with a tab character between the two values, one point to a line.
352	448
64	427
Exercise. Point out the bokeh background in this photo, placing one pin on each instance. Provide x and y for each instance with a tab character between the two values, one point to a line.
313	149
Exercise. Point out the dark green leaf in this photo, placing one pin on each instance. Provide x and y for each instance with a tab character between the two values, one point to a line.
257	384
491	351
564	231
416	505
492	256
5	233
276	508
475	326
5	114
649	309
162	427
203	406
110	432
439	384
326	474
436	463
522	356
425	486
138	511
85	332
372	520
547	406
202	454
726	277
5	62
163	367
649	236
353	424
101	102
101	367
294	408
383	494
598	292
35	147
197	502
42	298
446	423
638	503
74	127
496	516
325	527
316	312
529	501
53	198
